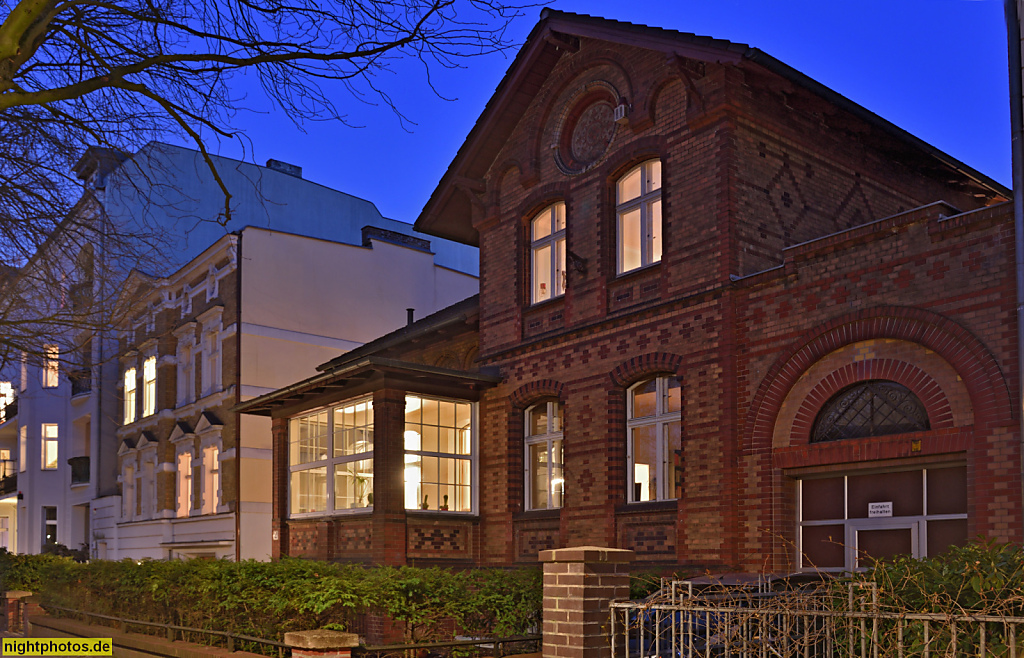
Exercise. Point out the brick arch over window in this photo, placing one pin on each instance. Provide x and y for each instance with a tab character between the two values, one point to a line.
927	390
531	392
986	387
645	365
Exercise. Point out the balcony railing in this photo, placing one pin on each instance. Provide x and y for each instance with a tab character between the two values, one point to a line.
81	381
79	470
9	410
8	484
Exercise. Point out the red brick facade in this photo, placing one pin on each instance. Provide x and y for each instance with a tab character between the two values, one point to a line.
806	248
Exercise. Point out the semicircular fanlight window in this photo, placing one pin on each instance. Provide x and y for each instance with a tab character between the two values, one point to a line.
870	408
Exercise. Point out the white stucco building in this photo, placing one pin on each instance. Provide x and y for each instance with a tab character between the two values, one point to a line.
292	275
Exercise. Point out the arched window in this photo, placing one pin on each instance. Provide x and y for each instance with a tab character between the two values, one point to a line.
545	482
870	408
547	253
638	216
655	439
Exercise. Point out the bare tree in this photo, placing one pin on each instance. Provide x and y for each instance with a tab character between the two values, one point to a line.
118	73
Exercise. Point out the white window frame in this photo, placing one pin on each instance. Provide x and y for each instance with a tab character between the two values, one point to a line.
211	484
149	386
128	491
186	358
411	454
47	523
50	372
651	227
183	487
212	364
661	420
553	221
553	433
49	440
130	388
22	448
330	460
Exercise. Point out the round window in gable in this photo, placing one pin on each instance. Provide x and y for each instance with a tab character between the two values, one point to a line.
586	128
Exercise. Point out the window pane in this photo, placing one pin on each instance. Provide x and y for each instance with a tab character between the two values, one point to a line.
559	217
463	414
413	479
654	211
542	273
309	491
539	475
645	463
560	274
673	460
672	395
430	412
645	399
629	186
823	546
541	225
653	175
429	439
556	417
557	478
447	414
629	240
539	420
353	485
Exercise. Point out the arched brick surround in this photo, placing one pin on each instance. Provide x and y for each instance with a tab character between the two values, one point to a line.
645	365
990	398
918	381
530	392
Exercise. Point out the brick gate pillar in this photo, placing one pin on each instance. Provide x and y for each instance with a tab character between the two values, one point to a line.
578	585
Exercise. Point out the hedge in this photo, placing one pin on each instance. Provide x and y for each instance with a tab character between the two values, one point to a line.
267	599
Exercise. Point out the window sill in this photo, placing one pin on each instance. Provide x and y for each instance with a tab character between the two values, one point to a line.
547	302
648	506
338	513
619	276
442	514
538	514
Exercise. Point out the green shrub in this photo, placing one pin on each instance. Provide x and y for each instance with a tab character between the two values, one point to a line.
267	599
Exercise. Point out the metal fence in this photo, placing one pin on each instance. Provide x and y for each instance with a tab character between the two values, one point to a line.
803	622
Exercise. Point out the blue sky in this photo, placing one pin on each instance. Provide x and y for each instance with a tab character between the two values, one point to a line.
936	68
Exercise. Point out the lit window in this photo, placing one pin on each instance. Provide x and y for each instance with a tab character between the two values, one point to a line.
638	216
184	506
22	448
438	454
129	395
547	253
331	458
545	482
51	366
655	447
6	400
49	525
49	447
149	386
211	479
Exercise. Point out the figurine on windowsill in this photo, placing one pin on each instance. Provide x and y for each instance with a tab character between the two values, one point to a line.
424	505
444	505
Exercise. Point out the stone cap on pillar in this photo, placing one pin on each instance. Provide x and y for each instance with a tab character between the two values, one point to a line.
587	554
17	594
322	639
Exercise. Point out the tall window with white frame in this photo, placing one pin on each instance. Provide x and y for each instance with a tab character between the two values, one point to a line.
547	253
129	395
49	525
331	458
545	482
51	366
654	444
438	454
211	362
211	479
128	493
149	386
186	373
22	448
638	216
49	446
183	506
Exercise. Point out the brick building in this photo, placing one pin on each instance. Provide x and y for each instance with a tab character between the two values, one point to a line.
727	318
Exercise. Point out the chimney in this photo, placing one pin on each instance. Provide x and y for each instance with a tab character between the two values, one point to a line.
408	316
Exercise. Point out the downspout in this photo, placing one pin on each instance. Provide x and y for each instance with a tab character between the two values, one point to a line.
1017	151
238	398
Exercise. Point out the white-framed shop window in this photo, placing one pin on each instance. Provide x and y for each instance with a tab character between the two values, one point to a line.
544	477
440	454
331	458
654	443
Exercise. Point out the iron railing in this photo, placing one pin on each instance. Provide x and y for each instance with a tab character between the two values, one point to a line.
81	381
8	484
494	647
803	623
79	469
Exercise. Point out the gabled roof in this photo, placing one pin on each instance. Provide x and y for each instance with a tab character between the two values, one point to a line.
447	213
